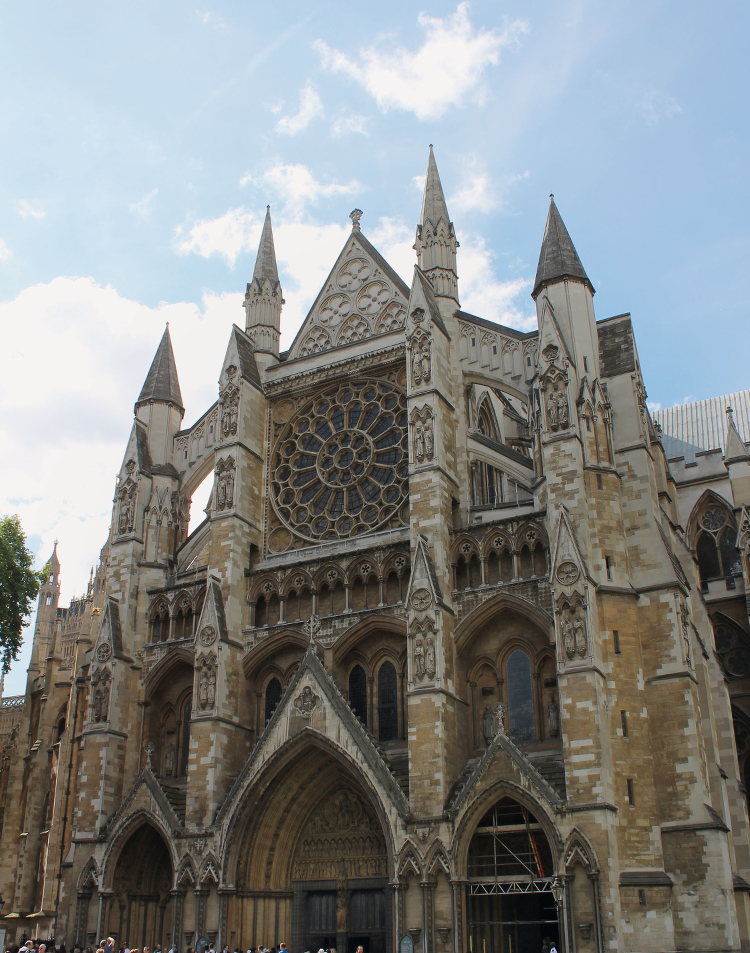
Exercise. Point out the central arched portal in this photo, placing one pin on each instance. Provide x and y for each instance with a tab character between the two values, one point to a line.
510	904
313	862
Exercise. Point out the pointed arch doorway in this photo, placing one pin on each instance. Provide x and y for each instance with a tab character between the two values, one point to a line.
313	860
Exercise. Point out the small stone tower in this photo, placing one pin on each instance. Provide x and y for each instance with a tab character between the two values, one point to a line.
263	298
436	238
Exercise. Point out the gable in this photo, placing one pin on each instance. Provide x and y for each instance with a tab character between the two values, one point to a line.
361	298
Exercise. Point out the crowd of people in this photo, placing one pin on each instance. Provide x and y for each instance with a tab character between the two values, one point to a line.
109	946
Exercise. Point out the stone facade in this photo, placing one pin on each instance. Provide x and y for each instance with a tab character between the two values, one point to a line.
450	658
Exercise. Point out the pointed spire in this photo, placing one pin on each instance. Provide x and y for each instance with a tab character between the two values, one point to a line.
263	299
161	382
558	258
436	238
735	449
433	200
54	561
265	263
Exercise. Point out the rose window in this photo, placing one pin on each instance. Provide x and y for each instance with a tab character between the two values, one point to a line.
340	467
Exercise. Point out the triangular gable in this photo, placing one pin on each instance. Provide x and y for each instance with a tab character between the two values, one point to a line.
422	297
423	575
212	621
361	298
137	458
146	792
313	702
568	566
553	349
735	450
239	357
109	638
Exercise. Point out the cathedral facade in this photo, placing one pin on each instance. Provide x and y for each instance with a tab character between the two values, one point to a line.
456	661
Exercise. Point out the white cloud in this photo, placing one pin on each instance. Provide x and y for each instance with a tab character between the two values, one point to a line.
143	206
212	19
395	242
479	191
349	123
483	294
228	235
657	105
5	252
295	185
653	405
418	182
440	74
310	107
27	210
90	354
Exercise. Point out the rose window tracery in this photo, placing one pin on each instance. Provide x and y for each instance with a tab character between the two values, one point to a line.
340	466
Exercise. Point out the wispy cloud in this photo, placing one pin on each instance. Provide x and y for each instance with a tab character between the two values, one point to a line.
657	105
5	252
478	191
348	123
228	235
440	74
210	18
27	210
310	107
484	294
143	206
296	185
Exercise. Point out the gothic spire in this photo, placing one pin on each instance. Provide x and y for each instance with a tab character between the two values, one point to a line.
436	238
265	263
263	298
161	382
558	258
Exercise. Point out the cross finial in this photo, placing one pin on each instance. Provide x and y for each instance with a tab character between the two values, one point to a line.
312	628
355	216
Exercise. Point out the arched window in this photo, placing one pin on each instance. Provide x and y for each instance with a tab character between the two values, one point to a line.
540	560
261	613
273	610
387	702
730	555
520	698
392	588
527	563
49	599
358	693
493	568
291	607
160	624
187	714
462	574
183	623
708	558
273	697
475	572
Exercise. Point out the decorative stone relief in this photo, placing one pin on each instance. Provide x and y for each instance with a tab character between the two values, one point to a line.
103	651
556	404
685	626
206	683
421	599
641	395
224	475
306	702
100	683
493	722
207	635
229	404
573	631
567	573
423	427
421	358
553	718
127	495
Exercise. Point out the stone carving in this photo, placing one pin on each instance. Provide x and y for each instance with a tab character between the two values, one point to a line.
424	434
355	216
553	718
229	405
573	631
685	625
567	572
127	508
421	359
550	353
585	930
206	683
641	395
149	749
103	652
569	642
169	760
207	635
429	658
418	659
556	404
312	627
579	629
100	696
306	702
224	475
421	599
493	722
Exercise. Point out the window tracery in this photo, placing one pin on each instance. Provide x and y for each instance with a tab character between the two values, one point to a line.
716	543
733	649
340	466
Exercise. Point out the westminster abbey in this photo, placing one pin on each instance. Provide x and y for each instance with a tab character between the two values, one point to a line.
458	659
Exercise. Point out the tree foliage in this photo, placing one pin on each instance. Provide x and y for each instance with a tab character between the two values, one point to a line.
19	586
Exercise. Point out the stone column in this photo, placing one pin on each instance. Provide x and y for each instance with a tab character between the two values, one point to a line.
201	895
178	905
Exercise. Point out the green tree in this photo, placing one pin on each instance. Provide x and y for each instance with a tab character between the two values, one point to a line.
19	586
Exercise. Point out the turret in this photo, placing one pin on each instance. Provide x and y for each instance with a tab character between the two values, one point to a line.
46	613
562	281
159	405
263	298
737	461
436	238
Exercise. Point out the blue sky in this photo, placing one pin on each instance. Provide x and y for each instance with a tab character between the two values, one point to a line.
140	144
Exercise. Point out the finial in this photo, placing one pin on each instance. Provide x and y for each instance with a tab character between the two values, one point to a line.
552	197
430	146
730	412
149	749
355	216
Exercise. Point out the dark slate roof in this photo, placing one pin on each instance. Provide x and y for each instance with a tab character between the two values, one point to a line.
113	606
616	348
675	449
162	382
558	257
248	365
145	463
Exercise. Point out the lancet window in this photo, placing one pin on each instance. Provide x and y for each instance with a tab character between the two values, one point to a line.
716	544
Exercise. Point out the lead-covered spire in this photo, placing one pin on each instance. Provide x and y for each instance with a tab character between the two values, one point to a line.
558	257
263	299
436	238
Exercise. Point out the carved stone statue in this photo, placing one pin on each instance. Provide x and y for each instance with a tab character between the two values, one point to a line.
418	659
569	641
553	718
429	659
419	441
342	911
429	440
105	702
127	511
562	410
579	628
552	412
97	706
169	756
206	686
229	489
229	415
420	362
211	687
489	724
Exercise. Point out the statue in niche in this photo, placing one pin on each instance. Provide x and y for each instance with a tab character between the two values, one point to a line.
420	362
553	718
169	760
207	686
229	489
342	910
489	724
568	637
97	706
229	415
562	410
429	440
419	441
418	659
127	507
552	412
105	701
579	629
429	659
